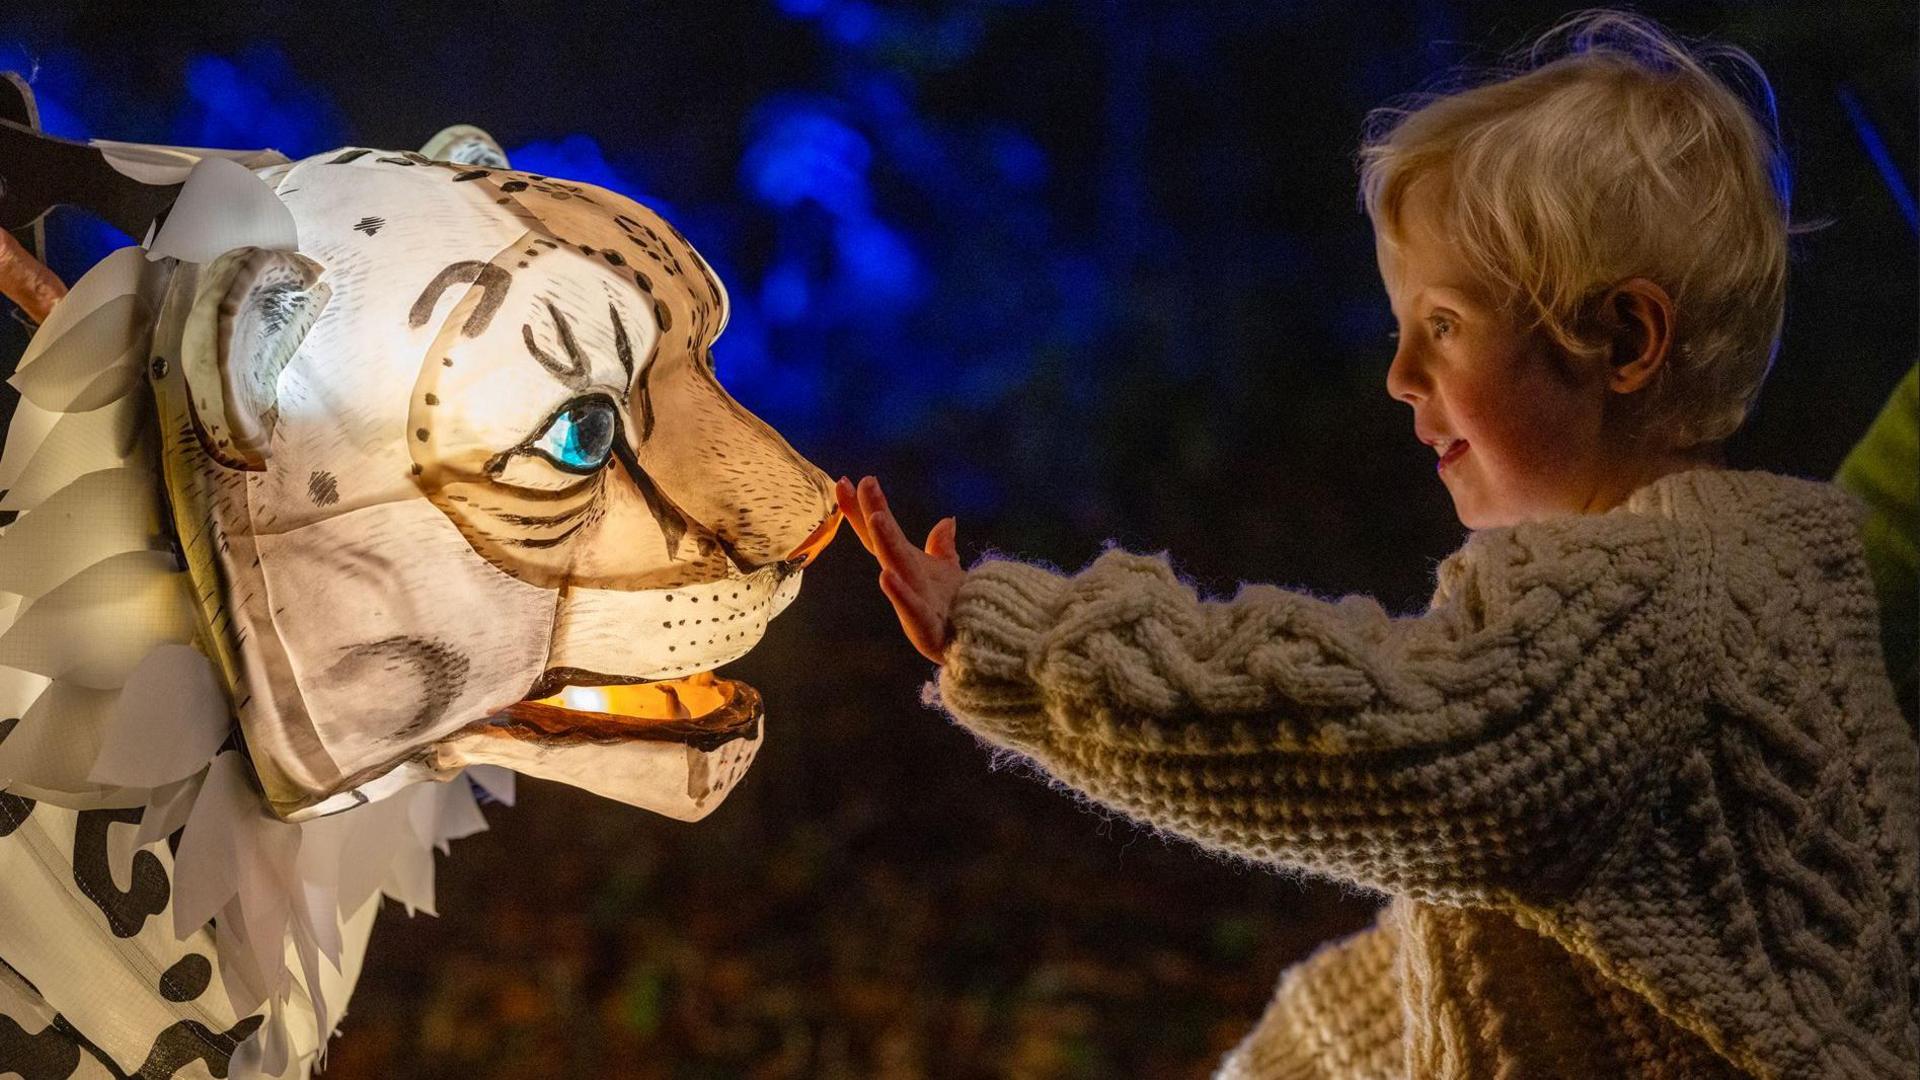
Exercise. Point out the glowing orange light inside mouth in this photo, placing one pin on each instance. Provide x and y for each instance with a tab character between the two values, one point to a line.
687	698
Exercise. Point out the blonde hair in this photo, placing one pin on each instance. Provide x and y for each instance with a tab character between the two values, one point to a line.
1609	151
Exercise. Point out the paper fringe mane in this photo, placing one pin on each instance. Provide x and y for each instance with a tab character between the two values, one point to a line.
117	708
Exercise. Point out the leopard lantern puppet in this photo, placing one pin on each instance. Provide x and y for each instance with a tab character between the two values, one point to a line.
368	480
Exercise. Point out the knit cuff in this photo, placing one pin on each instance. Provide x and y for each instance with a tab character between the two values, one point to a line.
986	682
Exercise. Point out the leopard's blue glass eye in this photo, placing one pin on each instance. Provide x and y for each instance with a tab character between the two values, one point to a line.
581	437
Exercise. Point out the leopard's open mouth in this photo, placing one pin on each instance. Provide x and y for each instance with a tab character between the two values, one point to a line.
702	710
673	746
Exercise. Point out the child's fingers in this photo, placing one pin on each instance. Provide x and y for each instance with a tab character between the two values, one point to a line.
940	540
872	499
895	551
844	494
916	617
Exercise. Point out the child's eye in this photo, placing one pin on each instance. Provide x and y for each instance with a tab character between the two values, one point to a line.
1442	326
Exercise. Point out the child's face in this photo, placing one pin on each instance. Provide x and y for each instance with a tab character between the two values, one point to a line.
1518	436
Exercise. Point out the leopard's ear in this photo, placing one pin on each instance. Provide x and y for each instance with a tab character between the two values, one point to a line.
464	144
251	310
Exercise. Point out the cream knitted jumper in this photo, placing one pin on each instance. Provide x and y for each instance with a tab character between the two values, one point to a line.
1636	783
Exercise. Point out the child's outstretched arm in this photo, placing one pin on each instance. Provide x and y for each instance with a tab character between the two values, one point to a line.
1494	744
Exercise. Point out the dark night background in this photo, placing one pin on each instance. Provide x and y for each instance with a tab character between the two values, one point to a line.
1074	272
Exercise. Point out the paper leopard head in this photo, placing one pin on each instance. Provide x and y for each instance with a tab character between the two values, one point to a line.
366	471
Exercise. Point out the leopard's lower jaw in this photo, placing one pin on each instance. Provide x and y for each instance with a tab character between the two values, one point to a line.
675	747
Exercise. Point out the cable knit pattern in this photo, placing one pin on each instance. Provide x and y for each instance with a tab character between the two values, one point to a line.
1636	780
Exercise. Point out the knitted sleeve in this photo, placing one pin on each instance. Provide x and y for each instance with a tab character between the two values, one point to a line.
1488	744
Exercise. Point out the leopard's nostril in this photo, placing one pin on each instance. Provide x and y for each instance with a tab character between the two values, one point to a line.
817	541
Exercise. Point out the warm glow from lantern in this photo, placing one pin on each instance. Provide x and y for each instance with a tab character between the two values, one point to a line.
687	698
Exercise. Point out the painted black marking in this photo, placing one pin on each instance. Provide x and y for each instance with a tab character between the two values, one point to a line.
549	541
370	225
494	283
187	978
395	161
127	911
541	521
641	279
349	155
662	316
188	1041
573	373
512	186
277	305
672	522
621	344
471	174
646	404
322	488
48	1055
441	672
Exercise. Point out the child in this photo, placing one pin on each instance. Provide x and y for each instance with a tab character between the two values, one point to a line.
1635	783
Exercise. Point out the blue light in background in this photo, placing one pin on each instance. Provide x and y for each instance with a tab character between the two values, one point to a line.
851	22
803	153
254	100
577	157
857	210
784	292
876	263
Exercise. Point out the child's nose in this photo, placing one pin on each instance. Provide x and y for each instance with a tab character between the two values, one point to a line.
1405	381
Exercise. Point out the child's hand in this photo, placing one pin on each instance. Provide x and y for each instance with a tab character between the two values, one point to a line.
921	584
25	281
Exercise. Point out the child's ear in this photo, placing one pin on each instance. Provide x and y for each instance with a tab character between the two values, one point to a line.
252	309
1641	316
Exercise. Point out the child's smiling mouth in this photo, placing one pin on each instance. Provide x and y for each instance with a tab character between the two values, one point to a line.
1448	448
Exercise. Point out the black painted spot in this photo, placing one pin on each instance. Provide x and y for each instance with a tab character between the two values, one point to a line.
370	225
187	978
189	1041
322	488
421	434
349	155
49	1055
432	399
662	316
641	279
471	174
614	257
513	186
395	161
147	895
